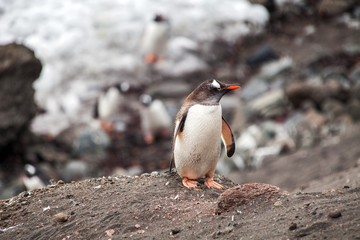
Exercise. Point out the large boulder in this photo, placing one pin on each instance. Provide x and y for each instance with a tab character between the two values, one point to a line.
19	68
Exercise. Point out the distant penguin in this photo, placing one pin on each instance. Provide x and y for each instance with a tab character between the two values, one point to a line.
108	104
155	120
33	178
155	37
199	128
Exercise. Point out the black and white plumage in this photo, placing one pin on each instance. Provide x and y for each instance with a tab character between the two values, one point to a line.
155	120
155	37
199	128
33	178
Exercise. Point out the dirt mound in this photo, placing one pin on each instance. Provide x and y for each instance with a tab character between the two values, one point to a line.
157	206
247	193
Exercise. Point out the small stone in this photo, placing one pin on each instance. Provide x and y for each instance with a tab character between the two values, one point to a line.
26	194
60	182
346	186
293	226
110	232
334	214
278	204
155	173
167	183
52	182
137	225
103	181
61	217
306	205
175	231
145	175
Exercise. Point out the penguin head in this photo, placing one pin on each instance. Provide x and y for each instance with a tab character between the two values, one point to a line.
211	91
146	99
159	18
29	170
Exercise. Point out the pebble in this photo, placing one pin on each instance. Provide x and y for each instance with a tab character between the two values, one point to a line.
61	217
293	226
60	182
103	181
155	173
278	204
26	194
110	232
175	231
334	214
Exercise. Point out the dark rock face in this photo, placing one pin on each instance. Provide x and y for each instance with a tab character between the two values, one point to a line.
19	68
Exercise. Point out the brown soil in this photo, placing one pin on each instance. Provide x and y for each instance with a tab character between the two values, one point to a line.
159	207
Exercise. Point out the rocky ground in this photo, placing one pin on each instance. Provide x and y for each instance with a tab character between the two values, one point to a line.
157	206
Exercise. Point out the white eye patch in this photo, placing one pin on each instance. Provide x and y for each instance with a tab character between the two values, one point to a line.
215	84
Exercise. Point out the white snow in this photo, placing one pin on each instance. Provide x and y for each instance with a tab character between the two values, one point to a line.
96	42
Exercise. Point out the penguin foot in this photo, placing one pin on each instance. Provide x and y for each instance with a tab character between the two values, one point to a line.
108	127
189	183
211	183
151	58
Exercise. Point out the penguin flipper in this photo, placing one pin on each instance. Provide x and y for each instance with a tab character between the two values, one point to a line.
228	138
179	127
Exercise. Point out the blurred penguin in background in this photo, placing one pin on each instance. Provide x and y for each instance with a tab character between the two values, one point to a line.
155	120
108	104
154	40
33	178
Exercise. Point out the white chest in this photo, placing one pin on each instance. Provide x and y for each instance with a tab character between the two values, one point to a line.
197	148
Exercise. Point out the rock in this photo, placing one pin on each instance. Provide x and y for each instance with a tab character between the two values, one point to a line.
75	170
61	217
269	104
19	68
317	92
175	231
293	226
262	55
333	7
274	68
254	88
334	214
315	119
278	203
91	142
243	194
109	232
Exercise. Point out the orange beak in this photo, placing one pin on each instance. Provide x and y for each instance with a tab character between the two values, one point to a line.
233	87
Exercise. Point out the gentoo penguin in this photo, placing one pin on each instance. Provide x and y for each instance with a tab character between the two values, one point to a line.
155	120
108	104
155	38
33	178
199	126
